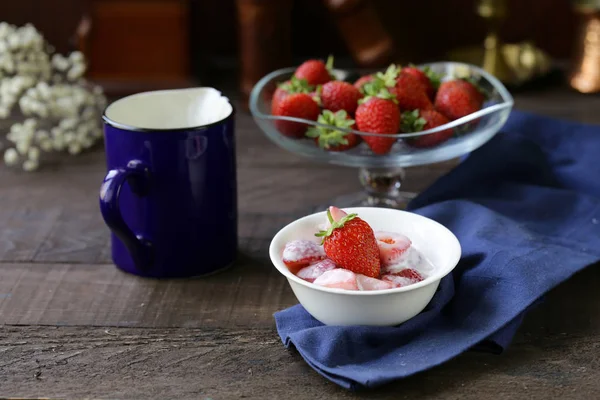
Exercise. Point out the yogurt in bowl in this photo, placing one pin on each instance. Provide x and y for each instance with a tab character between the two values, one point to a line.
414	254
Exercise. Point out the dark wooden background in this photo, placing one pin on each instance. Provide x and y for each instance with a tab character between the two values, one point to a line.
422	30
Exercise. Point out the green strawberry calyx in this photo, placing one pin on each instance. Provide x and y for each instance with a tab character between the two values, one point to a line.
316	95
330	137
412	121
434	77
475	82
295	85
390	75
334	225
329	66
380	85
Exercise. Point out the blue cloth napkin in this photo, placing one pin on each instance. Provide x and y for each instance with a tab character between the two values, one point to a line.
526	209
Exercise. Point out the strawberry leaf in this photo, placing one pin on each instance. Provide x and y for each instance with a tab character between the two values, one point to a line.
473	81
334	225
434	77
390	76
295	85
331	137
329	66
412	121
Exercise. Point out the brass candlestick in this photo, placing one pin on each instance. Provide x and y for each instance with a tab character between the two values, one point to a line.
494	12
585	76
513	63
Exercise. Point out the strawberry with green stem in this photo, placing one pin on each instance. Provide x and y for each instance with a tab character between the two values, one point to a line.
457	98
332	139
351	244
297	105
421	120
378	113
340	95
315	72
428	78
294	85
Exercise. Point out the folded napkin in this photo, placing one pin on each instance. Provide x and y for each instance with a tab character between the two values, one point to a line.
526	210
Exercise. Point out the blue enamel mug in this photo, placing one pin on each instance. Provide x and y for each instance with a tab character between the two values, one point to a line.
170	193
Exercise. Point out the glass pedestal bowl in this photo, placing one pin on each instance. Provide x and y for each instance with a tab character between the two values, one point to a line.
382	175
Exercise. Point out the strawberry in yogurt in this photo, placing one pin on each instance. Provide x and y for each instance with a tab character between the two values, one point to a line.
352	256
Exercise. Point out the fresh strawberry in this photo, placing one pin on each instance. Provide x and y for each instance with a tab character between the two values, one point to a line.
298	105
410	273
397	281
417	121
392	247
313	271
337	279
411	94
471	86
351	244
316	72
298	254
339	95
368	283
294	85
378	114
332	139
458	98
360	82
429	79
336	213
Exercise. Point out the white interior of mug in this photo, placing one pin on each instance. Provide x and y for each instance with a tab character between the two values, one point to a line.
170	109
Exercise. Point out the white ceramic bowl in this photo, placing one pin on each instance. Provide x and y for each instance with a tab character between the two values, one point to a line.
383	307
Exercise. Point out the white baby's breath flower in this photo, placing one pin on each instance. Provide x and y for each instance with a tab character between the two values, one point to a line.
22	147
59	62
69	137
46	145
42	135
11	157
74	148
68	123
4	112
29	123
16	127
33	153
58	143
30	165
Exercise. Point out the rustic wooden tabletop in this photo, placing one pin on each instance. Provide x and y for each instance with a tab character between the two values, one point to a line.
73	326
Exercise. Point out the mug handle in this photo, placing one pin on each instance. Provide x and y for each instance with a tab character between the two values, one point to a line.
137	175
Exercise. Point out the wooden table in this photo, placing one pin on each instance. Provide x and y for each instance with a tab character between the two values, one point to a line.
73	326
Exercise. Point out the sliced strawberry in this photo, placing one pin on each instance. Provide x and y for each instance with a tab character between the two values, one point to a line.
391	246
368	283
338	278
351	244
397	281
410	273
332	139
313	271
301	253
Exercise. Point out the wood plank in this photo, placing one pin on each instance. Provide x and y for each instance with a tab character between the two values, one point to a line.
71	362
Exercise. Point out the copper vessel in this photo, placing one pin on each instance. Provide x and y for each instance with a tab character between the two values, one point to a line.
585	75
